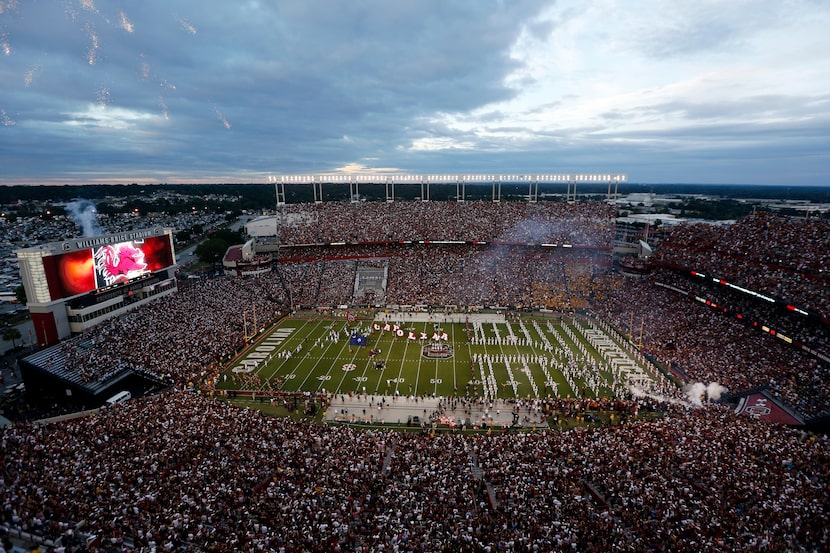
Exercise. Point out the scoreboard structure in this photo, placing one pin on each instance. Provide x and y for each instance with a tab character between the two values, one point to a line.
77	283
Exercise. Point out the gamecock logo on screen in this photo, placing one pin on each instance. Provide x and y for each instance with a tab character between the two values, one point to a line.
117	263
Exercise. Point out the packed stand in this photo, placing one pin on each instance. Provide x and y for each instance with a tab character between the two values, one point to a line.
180	472
785	257
441	274
710	347
585	224
320	282
805	329
183	336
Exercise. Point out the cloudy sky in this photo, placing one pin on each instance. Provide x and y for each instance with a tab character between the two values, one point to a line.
704	91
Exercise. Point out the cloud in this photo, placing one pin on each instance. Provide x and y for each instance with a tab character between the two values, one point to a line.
361	168
241	90
114	118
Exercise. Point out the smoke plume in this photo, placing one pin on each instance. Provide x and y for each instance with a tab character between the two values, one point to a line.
699	392
84	214
714	391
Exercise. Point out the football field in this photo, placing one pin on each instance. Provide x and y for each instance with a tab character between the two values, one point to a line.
484	356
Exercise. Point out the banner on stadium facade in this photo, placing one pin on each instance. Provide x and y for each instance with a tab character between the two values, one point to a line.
764	406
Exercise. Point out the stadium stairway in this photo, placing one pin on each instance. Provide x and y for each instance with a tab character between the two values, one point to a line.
478	474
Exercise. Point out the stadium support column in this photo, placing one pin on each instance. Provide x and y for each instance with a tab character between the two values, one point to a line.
317	185
424	189
354	192
279	188
497	188
460	190
280	193
390	189
532	195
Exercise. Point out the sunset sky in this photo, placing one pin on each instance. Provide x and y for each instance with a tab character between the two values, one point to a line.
205	91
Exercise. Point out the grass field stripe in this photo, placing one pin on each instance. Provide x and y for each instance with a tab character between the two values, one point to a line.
454	359
499	342
279	339
387	358
417	384
308	354
278	331
343	348
328	329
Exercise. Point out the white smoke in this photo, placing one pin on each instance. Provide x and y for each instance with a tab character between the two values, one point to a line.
714	391
85	215
699	392
639	392
695	394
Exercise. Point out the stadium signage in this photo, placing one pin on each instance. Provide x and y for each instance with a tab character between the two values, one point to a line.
112	238
102	262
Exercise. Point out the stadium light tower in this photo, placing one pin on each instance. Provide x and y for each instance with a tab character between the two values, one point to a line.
495	181
390	189
279	189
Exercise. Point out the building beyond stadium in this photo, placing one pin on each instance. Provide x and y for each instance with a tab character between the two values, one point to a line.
77	283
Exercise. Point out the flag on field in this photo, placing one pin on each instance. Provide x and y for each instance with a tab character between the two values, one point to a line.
435	336
444	336
396	328
423	336
387	326
350	316
357	340
412	336
376	326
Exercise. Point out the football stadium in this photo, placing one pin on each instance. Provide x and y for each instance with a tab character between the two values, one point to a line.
488	375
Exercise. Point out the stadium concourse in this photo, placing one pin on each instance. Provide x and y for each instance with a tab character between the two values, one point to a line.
178	471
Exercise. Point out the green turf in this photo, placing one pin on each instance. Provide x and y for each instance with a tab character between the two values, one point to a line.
320	349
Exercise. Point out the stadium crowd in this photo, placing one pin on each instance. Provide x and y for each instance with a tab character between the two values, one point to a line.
710	347
185	336
180	472
449	274
802	328
216	312
785	257
586	224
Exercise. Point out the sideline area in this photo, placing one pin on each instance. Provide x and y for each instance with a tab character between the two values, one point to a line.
439	317
418	411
